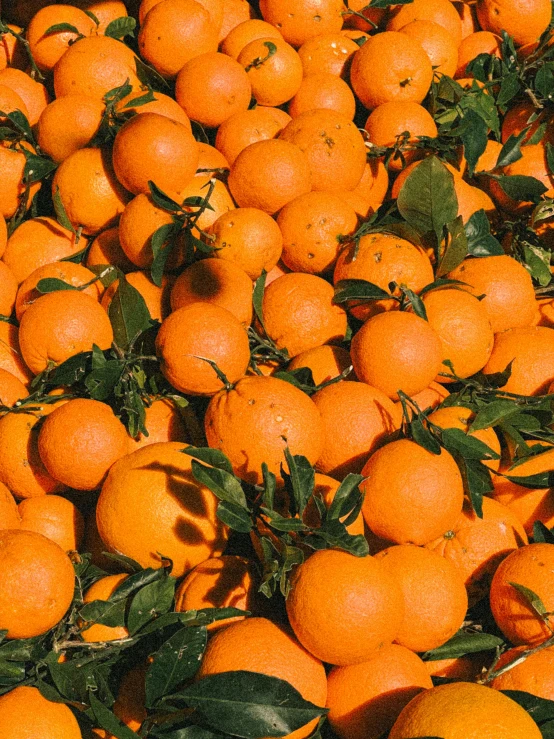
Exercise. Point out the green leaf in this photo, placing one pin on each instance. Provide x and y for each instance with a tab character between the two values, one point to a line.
541	480
162	242
53	284
544	80
61	214
235	516
521	187
299	481
140	100
475	135
509	88
427	199
537	261
550	157
107	720
61	28
387	3
258	297
346	497
422	436
282	523
540	709
498	379
469	447
456	250
103	381
149	77
106	612
177	660
154	599
463	643
37	168
478	483
332	534
224	485
542	534
71	371
358	290
128	314
162	200
511	151
250	704
531	598
270	486
121	27
213	457
136	581
21	122
480	242
492	414
417	304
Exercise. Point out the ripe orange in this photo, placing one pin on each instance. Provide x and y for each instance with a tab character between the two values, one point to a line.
533	163
106	249
467	16
140	219
12	188
220	201
54	517
458	417
104	10
243	33
156	298
163	422
67	124
342	608
534	674
73	274
532	351
248	127
10	353
9	513
37	581
438	43
273	68
523	20
460	668
518	117
480	42
34	94
42	717
161	104
3	235
8	290
438	11
10	101
370	192
12	53
326	362
11	389
323	90
129	705
411	495
299	21
103	589
328	52
429	398
235	12
47	49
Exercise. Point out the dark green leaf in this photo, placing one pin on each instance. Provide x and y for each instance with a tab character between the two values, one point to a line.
128	314
544	80
511	151
70	371
499	379
474	134
61	215
422	436
22	124
480	242
542	534
213	457
531	598
456	249
102	381
537	261
478	483
149	77
106	612
387	3
521	187
178	659
37	168
463	643
282	523
223	484
416	303
492	414
509	88
235	516
299	481
540	709
162	200
163	241
136	581
125	563
147	97
270	485
533	482
332	534
358	290
107	720
346	496
121	27
469	447
52	284
93	18
154	599
258	297
61	28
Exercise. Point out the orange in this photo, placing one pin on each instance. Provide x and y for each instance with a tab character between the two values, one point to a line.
54	517
220	201
9	513
435	598
375	16
156	298
163	422
532	675
396	351
248	238
532	351
88	188
10	353
471	199
218	282
161	104
43	718
103	589
437	42
299	313
10	101
327	52
268	175
313	226
462	710
371	191
323	90
12	188
72	274
467	16
48	48
104	10
222	582
429	398
34	94
106	250
37	581
93	66
487	160
524	20
533	163
235	12
438	11
364	700
11	389
461	668
247	127
129	705
8	289
197	332
256	420
274	70
154	147
67	124
343	608
243	33
61	324
299	21
243	646
391	66
411	495
212	87
140	219
175	31
357	419
480	42
326	362
476	546
458	417
80	441
531	567
507	286
12	52
335	148
151	503
3	235
518	118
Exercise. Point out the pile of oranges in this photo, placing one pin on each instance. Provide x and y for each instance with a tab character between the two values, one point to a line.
276	337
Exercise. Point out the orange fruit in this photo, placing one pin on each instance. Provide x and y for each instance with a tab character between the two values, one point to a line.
12	52
163	422
67	124
247	127
391	66
248	238
88	188
256	420
458	417
343	608
480	42
161	104
460	668
43	718
10	353
11	389
103	589
370	192
532	351
467	16
429	398
458	710
533	163
507	286
411	495
323	90
518	117
313	226
218	282
326	362
59	325
106	250
104	10
34	94
357	419
54	517
3	235
437	42
140	219
197	332
220	201
48	48
327	52
273	68
12	188
523	20
299	21
243	646
375	16
10	101
364	700
269	174
156	298
438	11
243	33
37	583
8	290
9	513
532	675
530	567
151	503
471	199
235	12
131	699
335	148
80	441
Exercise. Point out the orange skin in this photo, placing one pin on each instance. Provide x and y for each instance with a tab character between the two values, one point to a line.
243	646
12	189
144	8
198	331
411	495
371	191
364	700
376	15
268	175
92	66
438	11
248	238
9	514
312	226
460	668
326	362
210	158
8	290
139	221
10	101
104	10
532	675
397	351
33	93
47	49
530	566
173	32
217	282
437	42
234	13
431	619
129	704
103	589
507	286
42	717
517	118
480	42
323	90
357	419
10	353
220	201
245	32
359	589
299	21
106	249
467	16
328	52
532	352
12	52
256	420
487	160
163	422
3	235
523	20
156	298
11	389
61	324
67	124
162	105
476	546
391	66
471	199
54	517
248	127
458	417
37	583
429	398
533	164
275	79
337	159
73	274
151	503
299	313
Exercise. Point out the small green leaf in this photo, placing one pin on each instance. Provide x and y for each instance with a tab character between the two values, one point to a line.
456	249
162	200
258	297
213	457
62	28
299	481
540	709
177	660
422	436
474	134
511	151
537	262
480	242
61	214
463	643
152	600
359	290
128	314
107	720
542	534
541	480
521	187
469	447
492	414
234	516
121	27
162	242
531	598
103	612
477	481
52	284
509	88
147	97
223	484
37	168
346	497
544	80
